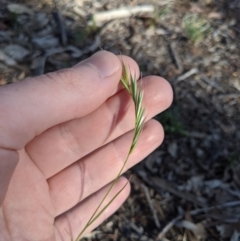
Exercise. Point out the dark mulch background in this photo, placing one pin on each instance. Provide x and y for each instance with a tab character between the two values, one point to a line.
193	44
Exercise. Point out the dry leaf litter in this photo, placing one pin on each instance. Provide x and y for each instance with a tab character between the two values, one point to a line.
189	188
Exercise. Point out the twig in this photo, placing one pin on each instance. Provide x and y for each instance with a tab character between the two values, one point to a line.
138	230
176	57
193	213
150	161
168	227
95	45
124	12
155	217
224	205
187	75
212	83
195	134
229	96
39	64
60	24
159	185
170	187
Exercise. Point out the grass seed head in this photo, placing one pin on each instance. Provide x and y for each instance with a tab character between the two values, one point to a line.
130	84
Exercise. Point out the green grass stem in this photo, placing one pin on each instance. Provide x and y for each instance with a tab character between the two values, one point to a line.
130	84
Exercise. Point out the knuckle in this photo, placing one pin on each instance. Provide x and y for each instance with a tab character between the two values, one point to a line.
65	78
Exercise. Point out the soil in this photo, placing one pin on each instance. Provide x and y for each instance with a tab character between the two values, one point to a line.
195	45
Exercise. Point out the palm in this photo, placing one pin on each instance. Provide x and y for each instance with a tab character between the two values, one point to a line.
33	209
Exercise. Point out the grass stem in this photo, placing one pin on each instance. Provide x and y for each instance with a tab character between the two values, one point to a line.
130	84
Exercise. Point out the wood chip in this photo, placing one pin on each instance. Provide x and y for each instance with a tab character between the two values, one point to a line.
18	8
188	74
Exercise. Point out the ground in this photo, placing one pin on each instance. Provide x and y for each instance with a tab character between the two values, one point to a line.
189	188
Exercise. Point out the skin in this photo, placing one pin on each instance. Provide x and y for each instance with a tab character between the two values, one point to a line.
64	137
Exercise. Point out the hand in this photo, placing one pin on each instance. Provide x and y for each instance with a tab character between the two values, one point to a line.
64	136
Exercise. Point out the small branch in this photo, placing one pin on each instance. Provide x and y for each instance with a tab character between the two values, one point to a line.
229	96
170	187
168	227
124	12
176	57
155	217
224	205
138	230
187	75
212	83
60	24
193	213
39	63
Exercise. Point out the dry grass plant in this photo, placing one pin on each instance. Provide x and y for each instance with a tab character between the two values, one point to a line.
130	84
196	28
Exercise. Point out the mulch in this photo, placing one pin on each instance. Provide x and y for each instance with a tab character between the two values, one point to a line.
189	188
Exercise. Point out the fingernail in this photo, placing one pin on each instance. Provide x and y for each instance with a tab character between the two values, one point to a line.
105	63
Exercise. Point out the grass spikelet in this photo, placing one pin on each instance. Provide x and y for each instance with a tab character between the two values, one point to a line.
130	84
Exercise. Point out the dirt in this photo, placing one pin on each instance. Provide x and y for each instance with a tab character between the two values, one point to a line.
198	165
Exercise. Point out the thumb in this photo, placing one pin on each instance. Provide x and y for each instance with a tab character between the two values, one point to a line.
8	163
30	107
